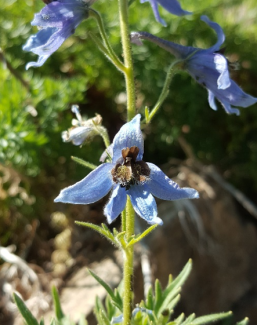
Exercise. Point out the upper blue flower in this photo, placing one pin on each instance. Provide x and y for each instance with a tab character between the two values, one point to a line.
208	67
126	175
172	6
57	21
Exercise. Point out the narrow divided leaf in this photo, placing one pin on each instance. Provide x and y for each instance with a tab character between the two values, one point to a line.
243	322
135	240
57	306
26	314
101	230
189	319
84	163
114	298
210	318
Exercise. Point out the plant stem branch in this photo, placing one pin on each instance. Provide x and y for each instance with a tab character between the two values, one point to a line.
111	54
129	71
165	91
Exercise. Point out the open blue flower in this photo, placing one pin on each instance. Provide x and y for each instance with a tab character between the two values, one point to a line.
127	174
172	6
208	67
57	21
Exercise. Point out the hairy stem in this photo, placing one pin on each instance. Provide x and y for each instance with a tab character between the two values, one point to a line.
165	91
128	265
129	73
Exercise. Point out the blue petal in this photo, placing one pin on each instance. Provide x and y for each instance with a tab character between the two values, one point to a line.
211	100
78	135
129	135
90	189
144	203
56	14
157	16
204	64
116	203
164	188
218	30
174	7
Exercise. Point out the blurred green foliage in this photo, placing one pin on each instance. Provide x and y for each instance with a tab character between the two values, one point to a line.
35	104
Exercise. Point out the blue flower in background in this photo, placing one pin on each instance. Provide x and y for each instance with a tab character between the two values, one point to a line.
208	67
127	174
172	6
57	21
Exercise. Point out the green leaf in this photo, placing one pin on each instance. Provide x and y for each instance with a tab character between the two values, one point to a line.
101	230
26	314
135	240
149	299
243	322
42	322
100	313
114	298
84	163
178	320
210	318
158	296
189	319
57	306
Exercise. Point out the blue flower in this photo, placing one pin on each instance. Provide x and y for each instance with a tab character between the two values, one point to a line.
56	21
208	67
172	6
127	174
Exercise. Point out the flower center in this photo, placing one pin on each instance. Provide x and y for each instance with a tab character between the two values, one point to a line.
128	171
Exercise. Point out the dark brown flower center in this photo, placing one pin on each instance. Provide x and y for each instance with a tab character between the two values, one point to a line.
128	171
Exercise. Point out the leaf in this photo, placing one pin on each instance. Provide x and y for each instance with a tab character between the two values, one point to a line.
115	300
84	163
42	322
178	320
210	318
26	314
135	240
243	322
101	230
149	299
57	306
158	296
189	319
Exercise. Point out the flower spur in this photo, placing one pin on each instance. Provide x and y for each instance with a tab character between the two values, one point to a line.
127	174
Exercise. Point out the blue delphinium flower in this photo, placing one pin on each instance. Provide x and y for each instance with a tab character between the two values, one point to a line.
172	6
56	21
127	174
208	67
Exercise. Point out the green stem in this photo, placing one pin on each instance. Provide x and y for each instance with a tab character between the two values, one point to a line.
111	54
165	91
128	265
129	73
104	134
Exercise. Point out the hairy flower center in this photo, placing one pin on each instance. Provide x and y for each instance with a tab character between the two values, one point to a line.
128	171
